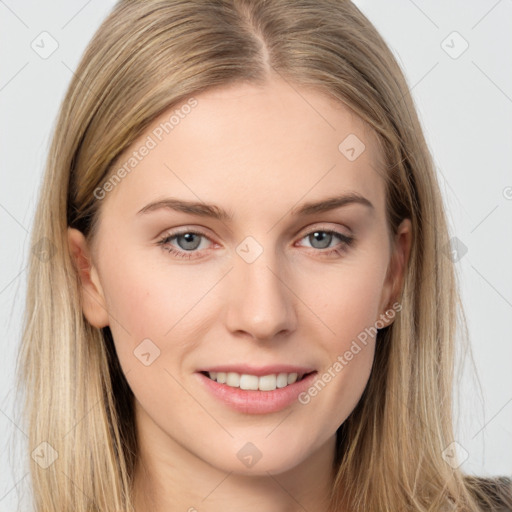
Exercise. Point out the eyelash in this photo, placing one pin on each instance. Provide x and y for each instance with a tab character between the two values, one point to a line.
346	242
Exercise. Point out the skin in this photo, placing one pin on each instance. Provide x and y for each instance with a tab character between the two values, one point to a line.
257	152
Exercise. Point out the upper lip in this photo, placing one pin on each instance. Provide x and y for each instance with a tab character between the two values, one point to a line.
259	371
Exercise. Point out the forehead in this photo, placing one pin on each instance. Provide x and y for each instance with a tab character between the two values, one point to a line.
251	148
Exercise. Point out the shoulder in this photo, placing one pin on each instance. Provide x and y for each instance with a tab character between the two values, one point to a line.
492	493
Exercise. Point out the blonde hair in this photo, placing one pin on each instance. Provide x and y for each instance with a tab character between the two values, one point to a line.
146	57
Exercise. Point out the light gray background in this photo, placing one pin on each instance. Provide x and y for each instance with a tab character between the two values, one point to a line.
465	105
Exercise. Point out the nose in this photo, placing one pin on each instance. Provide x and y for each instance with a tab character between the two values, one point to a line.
260	300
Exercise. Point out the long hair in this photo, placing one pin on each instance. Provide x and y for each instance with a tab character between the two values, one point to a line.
146	57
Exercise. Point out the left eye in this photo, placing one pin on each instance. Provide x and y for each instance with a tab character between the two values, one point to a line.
189	241
325	237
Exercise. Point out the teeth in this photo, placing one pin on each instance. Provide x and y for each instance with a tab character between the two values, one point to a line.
267	383
253	382
282	380
249	382
233	379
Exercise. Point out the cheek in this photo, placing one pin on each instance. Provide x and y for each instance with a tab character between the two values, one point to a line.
148	300
346	299
160	313
347	302
151	313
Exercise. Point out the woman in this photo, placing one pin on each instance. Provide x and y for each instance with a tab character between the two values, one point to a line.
189	346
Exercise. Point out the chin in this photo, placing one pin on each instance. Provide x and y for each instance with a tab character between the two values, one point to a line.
260	458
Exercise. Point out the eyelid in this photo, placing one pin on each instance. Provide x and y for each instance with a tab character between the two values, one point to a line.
183	230
324	227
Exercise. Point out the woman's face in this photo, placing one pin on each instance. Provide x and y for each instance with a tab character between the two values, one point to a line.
271	288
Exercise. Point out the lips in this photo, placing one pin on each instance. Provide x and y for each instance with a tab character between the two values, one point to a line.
256	390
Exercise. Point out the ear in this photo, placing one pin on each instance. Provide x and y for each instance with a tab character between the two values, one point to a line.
93	299
396	270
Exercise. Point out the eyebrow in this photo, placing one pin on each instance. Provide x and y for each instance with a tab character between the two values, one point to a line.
214	211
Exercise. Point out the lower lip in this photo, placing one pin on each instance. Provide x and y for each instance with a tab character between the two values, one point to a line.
257	402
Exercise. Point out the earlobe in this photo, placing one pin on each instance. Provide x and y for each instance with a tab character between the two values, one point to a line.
93	299
398	265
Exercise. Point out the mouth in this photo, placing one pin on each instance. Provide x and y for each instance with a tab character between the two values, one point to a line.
251	382
260	390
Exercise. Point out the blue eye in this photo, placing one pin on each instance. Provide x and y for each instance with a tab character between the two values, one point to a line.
189	241
325	237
